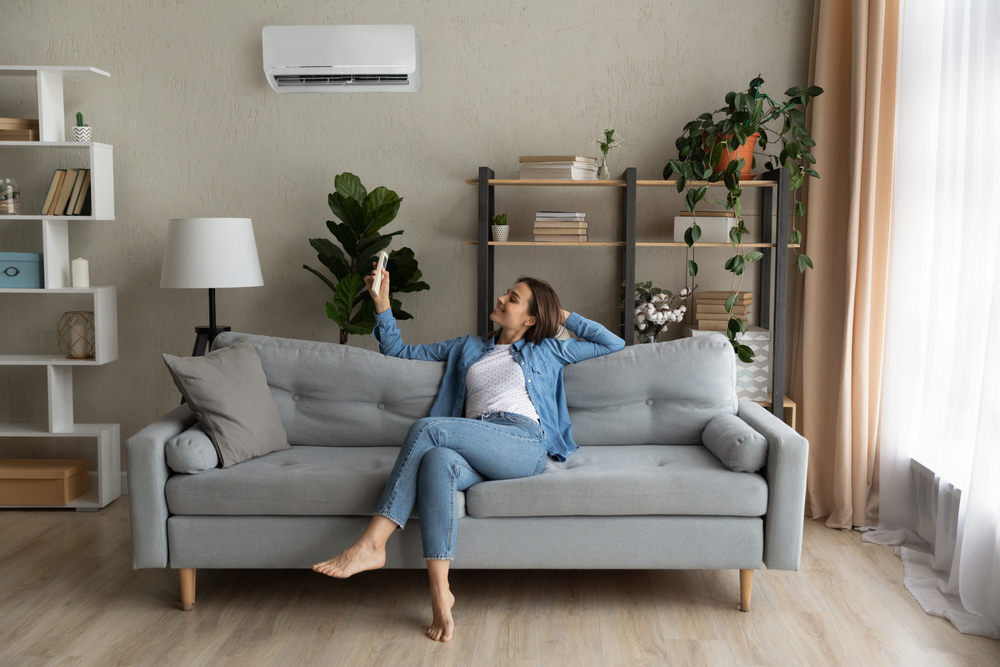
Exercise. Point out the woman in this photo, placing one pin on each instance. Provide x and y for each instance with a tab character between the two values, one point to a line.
509	385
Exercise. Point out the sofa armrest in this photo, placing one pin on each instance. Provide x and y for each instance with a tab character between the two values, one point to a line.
147	477
787	458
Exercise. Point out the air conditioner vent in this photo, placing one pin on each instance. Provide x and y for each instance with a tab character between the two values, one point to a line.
342	79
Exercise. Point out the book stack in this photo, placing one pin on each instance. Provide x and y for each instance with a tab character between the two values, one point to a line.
69	193
554	226
710	310
558	167
18	129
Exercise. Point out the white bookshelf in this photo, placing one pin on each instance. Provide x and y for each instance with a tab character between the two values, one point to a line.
105	482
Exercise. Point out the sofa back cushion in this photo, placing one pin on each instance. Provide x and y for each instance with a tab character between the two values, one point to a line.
652	394
343	396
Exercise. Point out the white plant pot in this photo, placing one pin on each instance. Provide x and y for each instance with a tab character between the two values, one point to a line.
81	134
500	232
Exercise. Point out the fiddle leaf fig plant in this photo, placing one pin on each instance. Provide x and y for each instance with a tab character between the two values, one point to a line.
748	116
362	214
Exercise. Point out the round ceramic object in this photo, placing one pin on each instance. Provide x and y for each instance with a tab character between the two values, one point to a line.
500	232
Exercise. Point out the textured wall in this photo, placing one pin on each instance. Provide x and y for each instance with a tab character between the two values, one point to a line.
197	131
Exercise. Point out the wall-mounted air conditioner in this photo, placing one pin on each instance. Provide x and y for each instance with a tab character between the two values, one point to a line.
342	58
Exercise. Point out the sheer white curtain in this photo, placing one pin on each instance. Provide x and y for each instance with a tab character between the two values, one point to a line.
940	431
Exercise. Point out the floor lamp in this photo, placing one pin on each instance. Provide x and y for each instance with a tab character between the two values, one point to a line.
210	253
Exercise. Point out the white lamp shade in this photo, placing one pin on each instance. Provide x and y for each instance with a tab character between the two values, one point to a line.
211	253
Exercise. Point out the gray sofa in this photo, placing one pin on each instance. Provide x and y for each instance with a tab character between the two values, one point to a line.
642	491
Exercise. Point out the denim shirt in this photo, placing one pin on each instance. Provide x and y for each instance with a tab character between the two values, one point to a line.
541	363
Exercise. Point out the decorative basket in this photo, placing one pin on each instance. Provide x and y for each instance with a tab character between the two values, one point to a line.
81	134
76	334
500	232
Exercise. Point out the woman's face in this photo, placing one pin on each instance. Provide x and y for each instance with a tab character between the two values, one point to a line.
512	308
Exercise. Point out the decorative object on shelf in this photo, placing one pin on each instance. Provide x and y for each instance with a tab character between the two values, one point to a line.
557	167
753	378
561	226
711	313
18	129
362	215
76	334
655	310
606	143
81	273
81	133
21	270
10	197
500	228
42	481
210	253
715	225
705	145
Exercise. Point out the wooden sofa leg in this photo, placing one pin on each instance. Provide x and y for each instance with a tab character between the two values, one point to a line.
746	583
187	587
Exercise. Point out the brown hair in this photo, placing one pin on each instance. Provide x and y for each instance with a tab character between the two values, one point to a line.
544	306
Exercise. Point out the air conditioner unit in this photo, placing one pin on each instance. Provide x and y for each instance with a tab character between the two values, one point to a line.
342	58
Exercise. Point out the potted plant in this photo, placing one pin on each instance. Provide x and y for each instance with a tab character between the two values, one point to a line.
362	215
81	132
655	310
607	141
499	227
708	151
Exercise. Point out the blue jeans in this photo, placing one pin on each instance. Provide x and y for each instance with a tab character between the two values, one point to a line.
444	455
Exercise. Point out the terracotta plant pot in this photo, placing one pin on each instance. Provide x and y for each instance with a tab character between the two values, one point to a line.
745	151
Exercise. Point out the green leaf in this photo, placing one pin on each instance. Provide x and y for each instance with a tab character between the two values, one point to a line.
735	236
793	92
320	276
681	182
814	91
331	256
804	262
381	208
796	237
692	268
372	244
700	193
745	354
349	185
735	264
667	172
808	141
343	299
812	172
730	301
692	234
347	237
809	157
733	326
754	256
349	211
800	209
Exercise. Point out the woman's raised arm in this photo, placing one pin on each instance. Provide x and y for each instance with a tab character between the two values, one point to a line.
597	340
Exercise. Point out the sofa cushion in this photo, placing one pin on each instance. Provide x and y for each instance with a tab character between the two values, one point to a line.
735	443
652	394
301	481
340	395
625	480
191	452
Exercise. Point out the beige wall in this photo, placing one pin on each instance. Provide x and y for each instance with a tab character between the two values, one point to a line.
197	131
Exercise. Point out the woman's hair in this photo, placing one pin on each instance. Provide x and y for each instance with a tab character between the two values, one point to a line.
544	306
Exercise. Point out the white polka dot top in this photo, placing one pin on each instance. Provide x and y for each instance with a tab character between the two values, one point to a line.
495	383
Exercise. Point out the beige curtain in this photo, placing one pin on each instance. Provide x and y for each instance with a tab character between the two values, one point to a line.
840	314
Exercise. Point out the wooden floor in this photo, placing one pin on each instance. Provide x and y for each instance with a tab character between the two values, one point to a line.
69	596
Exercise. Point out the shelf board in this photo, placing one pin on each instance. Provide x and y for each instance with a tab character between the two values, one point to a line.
54	144
44	360
549	182
56	290
42	431
552	243
29	70
719	184
642	244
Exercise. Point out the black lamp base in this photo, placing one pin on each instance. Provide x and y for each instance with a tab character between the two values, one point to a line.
205	336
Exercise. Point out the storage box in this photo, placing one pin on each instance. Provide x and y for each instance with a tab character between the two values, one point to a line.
715	226
753	380
21	270
42	481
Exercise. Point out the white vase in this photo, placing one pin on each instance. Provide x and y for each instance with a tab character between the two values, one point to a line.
81	134
500	232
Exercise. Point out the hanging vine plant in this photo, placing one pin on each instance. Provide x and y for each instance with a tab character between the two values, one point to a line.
721	146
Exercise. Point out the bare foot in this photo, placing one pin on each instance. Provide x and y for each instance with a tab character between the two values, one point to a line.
357	558
443	626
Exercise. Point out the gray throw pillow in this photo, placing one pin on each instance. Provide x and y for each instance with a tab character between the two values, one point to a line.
228	393
191	452
735	443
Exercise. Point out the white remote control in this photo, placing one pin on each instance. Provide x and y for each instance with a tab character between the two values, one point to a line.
383	257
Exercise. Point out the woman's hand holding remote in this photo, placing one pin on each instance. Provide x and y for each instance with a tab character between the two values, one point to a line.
381	299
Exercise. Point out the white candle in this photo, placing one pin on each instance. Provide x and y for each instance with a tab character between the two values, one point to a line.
77	337
81	273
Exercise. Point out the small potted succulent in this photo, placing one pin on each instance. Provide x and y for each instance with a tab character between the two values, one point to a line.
655	309
81	132
499	227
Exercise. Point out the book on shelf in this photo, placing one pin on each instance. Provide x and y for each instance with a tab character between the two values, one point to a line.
710	325
557	158
559	215
19	124
564	238
720	309
65	191
50	197
560	224
743	296
75	194
18	135
83	201
560	231
545	171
